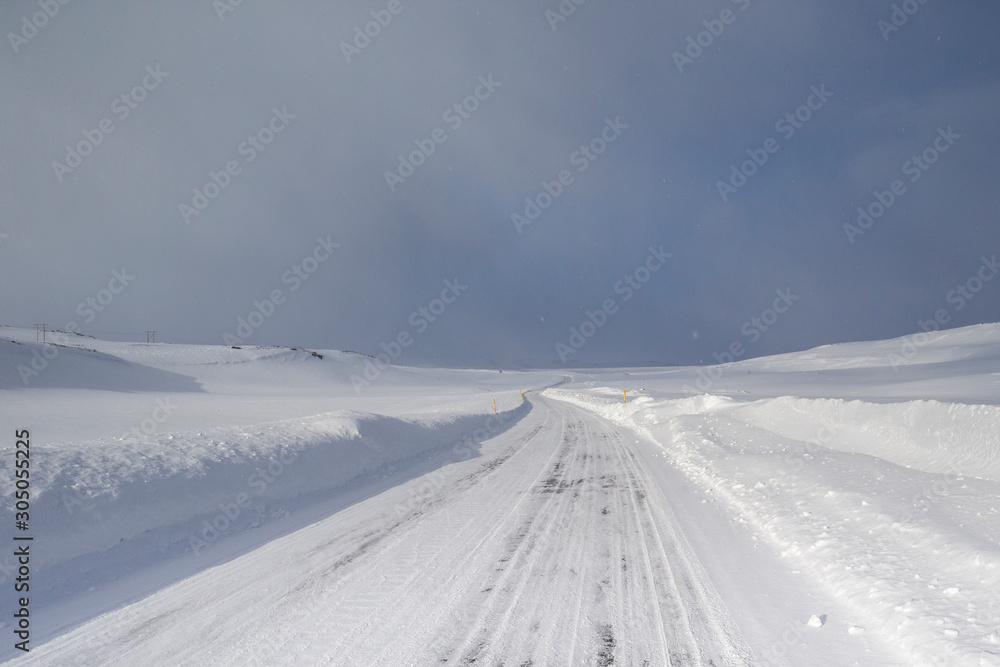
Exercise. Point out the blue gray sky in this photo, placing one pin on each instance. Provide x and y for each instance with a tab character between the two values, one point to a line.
737	137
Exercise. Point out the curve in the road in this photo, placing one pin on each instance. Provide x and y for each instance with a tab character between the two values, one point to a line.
554	548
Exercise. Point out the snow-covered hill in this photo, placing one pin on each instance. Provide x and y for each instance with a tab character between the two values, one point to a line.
142	453
858	484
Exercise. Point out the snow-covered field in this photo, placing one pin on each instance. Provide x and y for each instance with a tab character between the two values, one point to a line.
210	505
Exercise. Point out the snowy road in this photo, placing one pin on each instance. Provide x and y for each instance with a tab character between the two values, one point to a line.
552	548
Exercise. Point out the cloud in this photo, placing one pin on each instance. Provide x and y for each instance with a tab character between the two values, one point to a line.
324	174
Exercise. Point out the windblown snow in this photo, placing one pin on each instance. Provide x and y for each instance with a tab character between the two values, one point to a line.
268	505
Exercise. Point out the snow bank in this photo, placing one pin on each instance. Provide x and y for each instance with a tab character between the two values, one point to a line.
931	436
912	552
195	487
945	438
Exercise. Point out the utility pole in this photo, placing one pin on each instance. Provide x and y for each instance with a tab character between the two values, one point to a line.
150	336
40	329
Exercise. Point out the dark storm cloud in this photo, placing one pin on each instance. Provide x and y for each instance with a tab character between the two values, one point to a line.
308	133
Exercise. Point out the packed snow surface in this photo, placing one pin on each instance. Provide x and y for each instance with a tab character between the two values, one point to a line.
268	505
